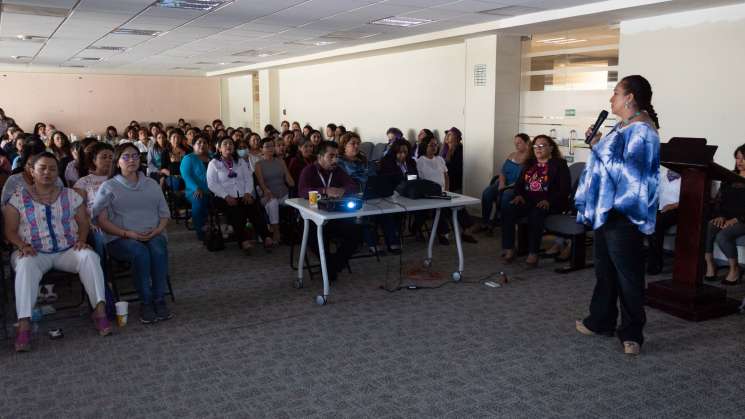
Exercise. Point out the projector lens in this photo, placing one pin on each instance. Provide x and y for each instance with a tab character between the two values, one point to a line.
350	205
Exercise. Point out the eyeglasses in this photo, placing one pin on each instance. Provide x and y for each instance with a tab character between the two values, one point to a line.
130	157
540	146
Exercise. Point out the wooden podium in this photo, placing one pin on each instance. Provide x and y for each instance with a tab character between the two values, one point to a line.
685	295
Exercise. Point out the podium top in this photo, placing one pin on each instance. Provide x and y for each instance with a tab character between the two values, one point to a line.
692	153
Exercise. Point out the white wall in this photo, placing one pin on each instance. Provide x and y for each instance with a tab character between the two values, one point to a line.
695	62
237	101
408	89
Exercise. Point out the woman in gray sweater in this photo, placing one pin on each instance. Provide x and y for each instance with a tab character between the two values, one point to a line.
131	209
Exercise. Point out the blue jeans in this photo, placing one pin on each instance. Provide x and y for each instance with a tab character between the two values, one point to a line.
489	198
199	209
149	262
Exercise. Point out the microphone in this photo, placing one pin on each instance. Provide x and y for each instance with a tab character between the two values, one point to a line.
601	118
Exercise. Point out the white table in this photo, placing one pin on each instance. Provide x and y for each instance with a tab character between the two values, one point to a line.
392	205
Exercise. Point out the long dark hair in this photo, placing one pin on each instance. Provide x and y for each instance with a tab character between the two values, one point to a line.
642	91
555	152
740	150
65	150
31	148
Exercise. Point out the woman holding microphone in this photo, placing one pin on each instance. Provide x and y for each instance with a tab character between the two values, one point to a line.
617	197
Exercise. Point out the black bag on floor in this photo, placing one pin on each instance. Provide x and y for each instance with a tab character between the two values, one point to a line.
213	236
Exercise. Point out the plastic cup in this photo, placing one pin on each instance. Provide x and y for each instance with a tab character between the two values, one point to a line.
122	311
313	198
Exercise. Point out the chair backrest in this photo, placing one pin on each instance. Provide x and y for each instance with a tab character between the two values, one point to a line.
366	148
575	171
378	152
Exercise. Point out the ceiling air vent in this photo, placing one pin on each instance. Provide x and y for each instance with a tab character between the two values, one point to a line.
510	11
401	21
138	32
258	53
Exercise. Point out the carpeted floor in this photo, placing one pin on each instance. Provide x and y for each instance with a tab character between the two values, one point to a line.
245	343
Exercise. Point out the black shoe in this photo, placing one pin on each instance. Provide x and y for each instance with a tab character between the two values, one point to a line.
468	238
443	240
737	281
162	312
147	314
712	278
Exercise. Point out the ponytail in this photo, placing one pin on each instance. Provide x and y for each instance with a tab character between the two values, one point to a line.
642	91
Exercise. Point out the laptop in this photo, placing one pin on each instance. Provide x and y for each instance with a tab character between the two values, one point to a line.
381	186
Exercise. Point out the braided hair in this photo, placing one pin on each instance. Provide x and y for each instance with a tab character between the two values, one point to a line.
642	91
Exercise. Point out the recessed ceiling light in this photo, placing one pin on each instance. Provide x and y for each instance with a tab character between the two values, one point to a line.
203	5
33	38
107	48
72	65
510	11
139	32
185	68
223	63
85	59
401	21
20	57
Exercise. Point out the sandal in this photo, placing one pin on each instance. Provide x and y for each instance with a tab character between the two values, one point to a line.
103	325
631	348
23	340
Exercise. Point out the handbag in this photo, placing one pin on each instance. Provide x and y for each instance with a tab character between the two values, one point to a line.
213	237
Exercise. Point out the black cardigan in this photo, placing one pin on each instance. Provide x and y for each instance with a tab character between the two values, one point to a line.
559	184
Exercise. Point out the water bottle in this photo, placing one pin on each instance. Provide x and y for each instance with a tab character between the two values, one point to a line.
36	316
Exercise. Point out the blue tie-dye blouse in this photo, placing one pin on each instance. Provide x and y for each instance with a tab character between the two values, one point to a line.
622	174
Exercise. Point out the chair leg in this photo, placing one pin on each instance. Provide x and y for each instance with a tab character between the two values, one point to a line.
577	260
522	239
170	288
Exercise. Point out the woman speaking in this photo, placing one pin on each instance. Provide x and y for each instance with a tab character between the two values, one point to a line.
617	196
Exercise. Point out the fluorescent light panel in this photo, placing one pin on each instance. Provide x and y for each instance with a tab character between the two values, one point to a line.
107	48
510	11
348	35
311	43
85	59
138	32
203	5
22	9
401	21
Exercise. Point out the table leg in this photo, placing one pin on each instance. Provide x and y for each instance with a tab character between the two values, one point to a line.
428	261
321	299
301	257
456	230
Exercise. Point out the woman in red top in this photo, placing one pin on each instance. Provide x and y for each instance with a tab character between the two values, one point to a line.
304	157
542	188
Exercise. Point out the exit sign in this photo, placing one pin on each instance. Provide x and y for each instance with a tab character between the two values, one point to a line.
570	112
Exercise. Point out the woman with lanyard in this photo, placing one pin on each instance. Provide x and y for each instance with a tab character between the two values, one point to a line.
231	180
617	197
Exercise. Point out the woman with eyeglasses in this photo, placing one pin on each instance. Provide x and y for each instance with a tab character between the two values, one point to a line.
231	181
541	189
275	182
131	209
48	226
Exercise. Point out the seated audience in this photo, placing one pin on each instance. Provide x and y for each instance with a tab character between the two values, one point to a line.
131	209
19	144
418	150
130	135
315	140
727	224
157	158
143	142
393	135
274	180
541	189
231	181
100	157
22	177
78	166
432	167
48	226
330	180
398	162
667	216
61	148
307	129
340	130
254	150
194	171
454	161
285	126
495	194
111	137
331	132
305	157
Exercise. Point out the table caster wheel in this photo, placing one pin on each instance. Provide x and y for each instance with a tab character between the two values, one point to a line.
427	263
321	300
298	283
456	276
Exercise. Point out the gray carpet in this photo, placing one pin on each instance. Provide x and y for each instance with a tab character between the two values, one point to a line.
245	343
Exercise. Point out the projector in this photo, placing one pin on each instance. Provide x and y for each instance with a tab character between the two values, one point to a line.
340	204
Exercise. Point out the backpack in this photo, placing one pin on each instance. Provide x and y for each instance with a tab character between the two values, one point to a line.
213	236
